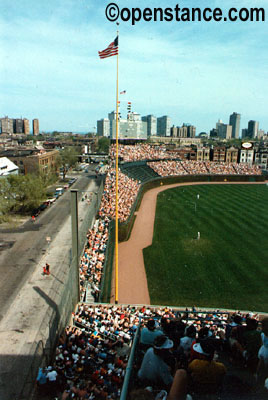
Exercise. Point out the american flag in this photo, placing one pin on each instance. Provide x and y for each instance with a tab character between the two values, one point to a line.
112	49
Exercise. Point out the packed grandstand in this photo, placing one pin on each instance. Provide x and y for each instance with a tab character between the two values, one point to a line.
92	354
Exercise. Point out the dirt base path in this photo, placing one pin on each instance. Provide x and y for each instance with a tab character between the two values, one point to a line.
132	280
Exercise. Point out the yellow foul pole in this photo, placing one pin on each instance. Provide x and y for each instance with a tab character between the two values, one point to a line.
116	184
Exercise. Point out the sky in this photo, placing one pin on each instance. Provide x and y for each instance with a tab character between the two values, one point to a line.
194	72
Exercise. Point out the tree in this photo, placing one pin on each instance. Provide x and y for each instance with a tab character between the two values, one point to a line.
27	192
48	177
103	145
6	200
68	158
234	142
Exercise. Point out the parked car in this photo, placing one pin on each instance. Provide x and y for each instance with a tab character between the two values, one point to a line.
43	206
72	181
60	191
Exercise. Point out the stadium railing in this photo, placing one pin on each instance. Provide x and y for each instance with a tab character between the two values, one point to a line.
129	369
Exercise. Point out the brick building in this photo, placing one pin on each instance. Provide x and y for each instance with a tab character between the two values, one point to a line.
6	125
232	155
218	154
26	124
32	160
44	161
203	154
35	126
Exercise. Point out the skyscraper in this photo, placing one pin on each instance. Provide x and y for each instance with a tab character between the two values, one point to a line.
151	124
253	127
6	125
103	127
235	122
19	126
35	127
26	128
224	131
163	126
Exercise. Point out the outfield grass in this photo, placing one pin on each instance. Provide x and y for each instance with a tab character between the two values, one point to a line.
228	266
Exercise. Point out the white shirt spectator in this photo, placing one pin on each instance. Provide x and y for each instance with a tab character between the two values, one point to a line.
263	352
52	376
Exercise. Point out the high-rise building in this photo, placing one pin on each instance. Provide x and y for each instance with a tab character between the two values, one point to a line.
19	126
184	131
133	116
213	132
7	125
130	128
253	127
163	126
151	124
112	116
35	127
224	131
261	133
103	127
244	133
234	121
218	123
191	131
178	131
26	126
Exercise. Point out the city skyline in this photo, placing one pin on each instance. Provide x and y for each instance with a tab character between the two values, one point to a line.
193	72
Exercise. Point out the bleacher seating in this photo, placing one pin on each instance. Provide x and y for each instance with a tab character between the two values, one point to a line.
141	173
92	354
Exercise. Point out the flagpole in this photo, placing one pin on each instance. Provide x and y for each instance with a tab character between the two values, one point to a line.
116	184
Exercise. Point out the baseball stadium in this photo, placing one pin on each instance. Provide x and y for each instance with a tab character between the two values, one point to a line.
188	293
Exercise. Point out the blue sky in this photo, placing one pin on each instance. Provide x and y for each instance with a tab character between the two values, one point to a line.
194	72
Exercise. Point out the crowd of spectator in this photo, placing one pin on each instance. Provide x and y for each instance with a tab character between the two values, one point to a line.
141	152
92	354
169	168
127	191
244	169
92	261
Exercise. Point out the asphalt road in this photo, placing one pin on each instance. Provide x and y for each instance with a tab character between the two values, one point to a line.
22	248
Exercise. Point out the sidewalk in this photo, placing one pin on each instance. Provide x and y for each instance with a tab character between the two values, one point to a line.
33	310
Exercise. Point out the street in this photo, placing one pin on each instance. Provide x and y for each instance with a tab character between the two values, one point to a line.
23	247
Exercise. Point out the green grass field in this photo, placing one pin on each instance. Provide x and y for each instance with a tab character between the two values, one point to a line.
228	266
